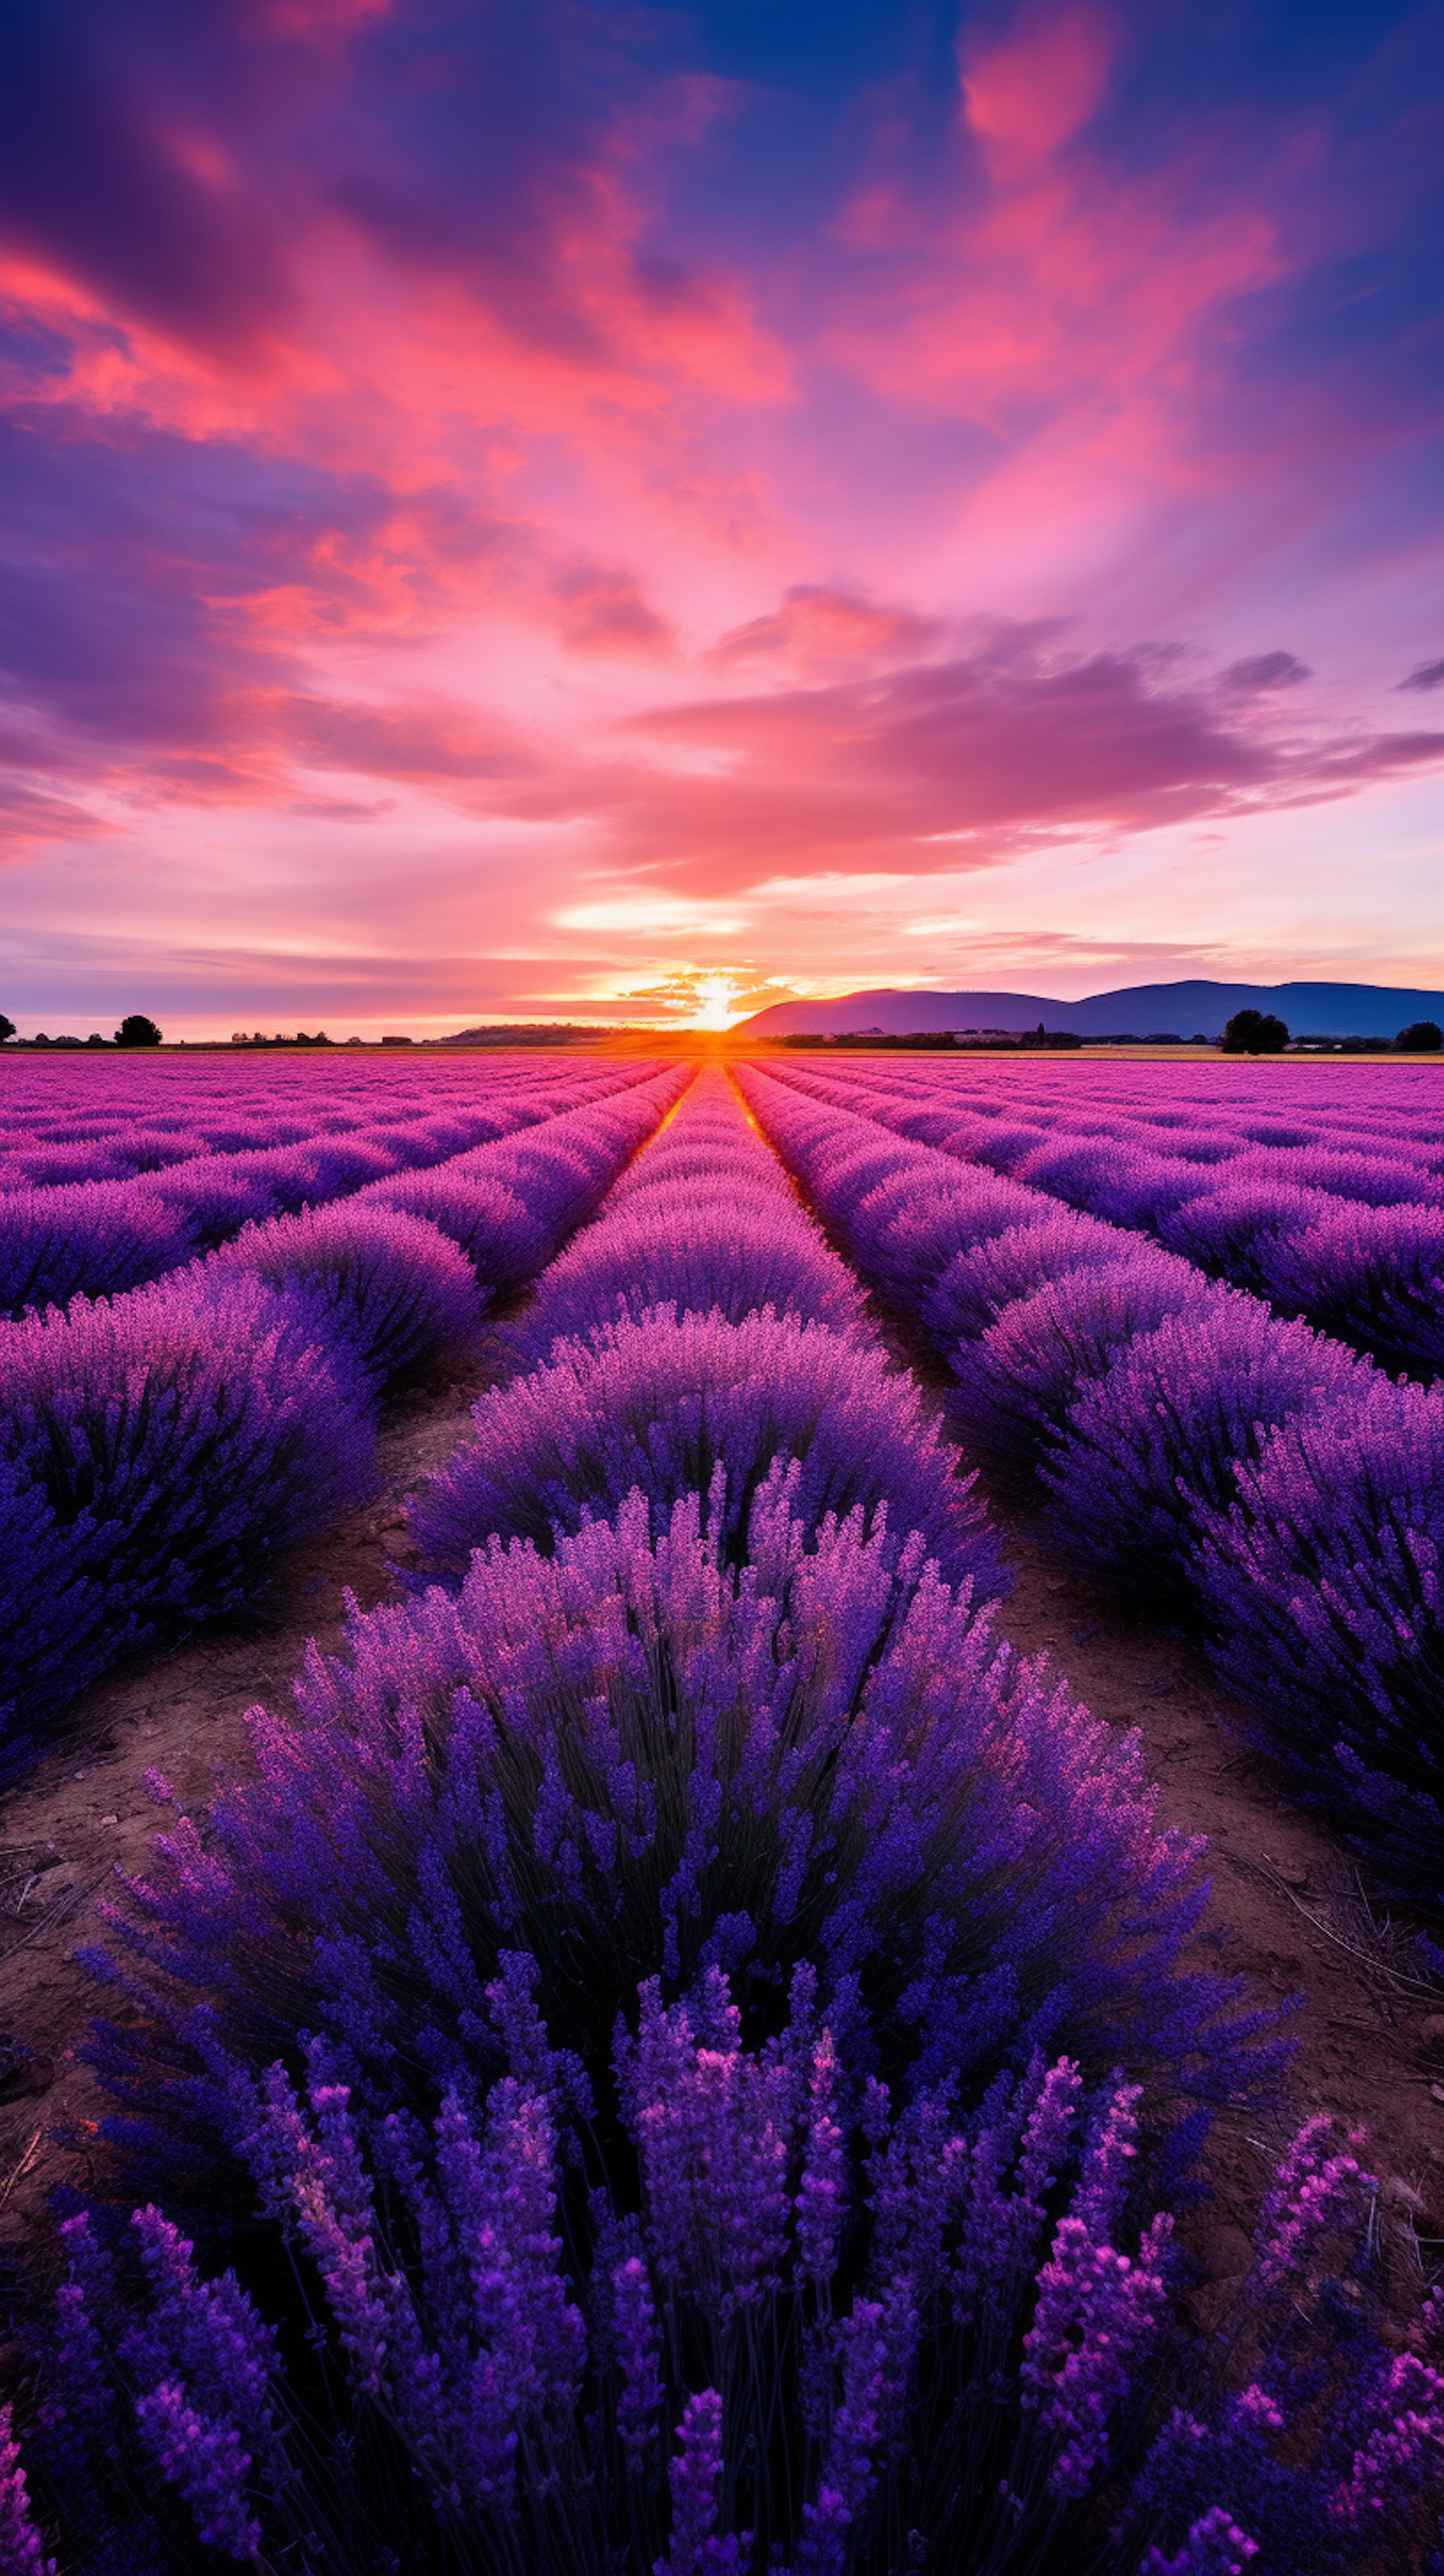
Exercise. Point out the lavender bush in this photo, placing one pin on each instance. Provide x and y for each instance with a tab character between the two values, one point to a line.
729	1255
156	1453
100	1236
971	1293
907	1229
1104	1179
1234	1230
661	1403
1322	1589
631	1757
213	1196
1369	1179
1374	1276
505	1241
1016	1386
390	1290
748	2311
1152	1447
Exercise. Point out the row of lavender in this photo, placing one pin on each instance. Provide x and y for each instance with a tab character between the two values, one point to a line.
742	2000
1226	1467
158	1448
98	1237
62	1122
1330	1202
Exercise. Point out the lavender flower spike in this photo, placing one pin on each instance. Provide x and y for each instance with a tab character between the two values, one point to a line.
638	2347
206	2461
1096	2312
1403	2449
22	2551
696	2548
1215	2547
1313	2196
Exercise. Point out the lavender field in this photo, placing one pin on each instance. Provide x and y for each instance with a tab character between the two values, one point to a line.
671	2040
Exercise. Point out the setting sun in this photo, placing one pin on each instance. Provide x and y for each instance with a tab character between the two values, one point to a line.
716	995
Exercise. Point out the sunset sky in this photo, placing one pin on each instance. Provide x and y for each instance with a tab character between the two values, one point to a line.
562	511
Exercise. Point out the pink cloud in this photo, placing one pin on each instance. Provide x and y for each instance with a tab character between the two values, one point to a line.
606	612
1027	95
819	630
959	763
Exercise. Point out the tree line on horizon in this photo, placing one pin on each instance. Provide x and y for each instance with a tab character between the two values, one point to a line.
1249	1032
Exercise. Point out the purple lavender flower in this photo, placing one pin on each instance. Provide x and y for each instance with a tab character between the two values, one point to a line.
154	1455
1313	2196
659	1406
822	2192
1153	1446
387	1288
694	2473
1214	2547
207	2463
1401	2453
715	2131
638	2351
22	2548
1097	2312
872	2368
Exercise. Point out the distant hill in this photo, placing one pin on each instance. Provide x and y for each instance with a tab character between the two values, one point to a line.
1138	1010
518	1033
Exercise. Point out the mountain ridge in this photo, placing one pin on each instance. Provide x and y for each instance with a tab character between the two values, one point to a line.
1192	1008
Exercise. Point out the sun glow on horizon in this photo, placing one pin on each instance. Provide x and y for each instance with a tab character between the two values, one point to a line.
716	995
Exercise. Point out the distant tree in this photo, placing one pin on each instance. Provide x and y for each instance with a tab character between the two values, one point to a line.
95	1038
1422	1037
1255	1033
136	1030
7	1028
